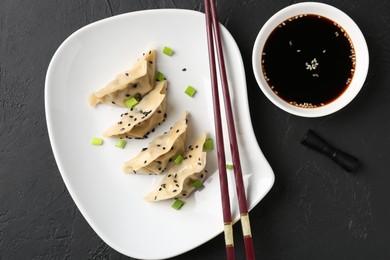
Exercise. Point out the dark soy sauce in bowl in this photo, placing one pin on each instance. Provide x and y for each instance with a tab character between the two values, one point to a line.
308	61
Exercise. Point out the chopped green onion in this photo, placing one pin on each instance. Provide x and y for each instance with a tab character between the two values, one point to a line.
178	159
120	143
178	204
196	184
190	91
160	76
96	141
229	166
168	51
208	144
131	102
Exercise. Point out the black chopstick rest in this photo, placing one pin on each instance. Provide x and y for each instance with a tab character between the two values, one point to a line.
314	141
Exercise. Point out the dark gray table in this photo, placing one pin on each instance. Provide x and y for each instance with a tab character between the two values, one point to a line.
315	209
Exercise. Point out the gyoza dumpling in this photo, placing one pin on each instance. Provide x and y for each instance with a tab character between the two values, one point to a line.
135	82
178	180
143	117
154	158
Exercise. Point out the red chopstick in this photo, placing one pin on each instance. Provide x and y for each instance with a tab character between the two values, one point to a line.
227	218
245	223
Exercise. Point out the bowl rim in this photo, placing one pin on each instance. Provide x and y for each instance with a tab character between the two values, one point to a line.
342	19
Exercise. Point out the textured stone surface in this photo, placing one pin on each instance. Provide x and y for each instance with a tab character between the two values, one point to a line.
315	209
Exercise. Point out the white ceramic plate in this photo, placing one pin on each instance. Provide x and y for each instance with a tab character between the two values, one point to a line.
110	200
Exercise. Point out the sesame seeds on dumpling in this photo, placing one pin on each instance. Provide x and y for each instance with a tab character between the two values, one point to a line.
160	150
138	80
177	182
141	119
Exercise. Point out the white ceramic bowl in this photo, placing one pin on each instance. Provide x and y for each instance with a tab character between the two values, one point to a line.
358	41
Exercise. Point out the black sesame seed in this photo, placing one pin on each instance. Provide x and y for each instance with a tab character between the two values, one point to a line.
163	148
144	149
155	197
165	115
135	85
196	147
160	189
158	145
175	181
177	131
151	62
159	168
150	52
113	102
184	69
201	176
170	160
153	130
177	185
135	119
122	129
200	164
128	124
126	114
190	156
127	95
127	74
159	111
169	175
159	162
145	161
134	171
174	191
184	194
120	122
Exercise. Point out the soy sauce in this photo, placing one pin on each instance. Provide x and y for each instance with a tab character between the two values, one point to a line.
308	61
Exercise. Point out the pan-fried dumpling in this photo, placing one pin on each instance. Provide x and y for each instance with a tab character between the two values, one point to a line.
177	182
143	117
154	158
135	82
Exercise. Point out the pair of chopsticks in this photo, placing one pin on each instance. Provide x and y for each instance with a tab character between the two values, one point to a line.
213	26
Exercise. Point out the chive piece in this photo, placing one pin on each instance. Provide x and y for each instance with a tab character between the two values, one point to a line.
131	102
178	204
229	166
208	144
178	159
160	76
120	143
196	184
168	51
96	141
190	91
